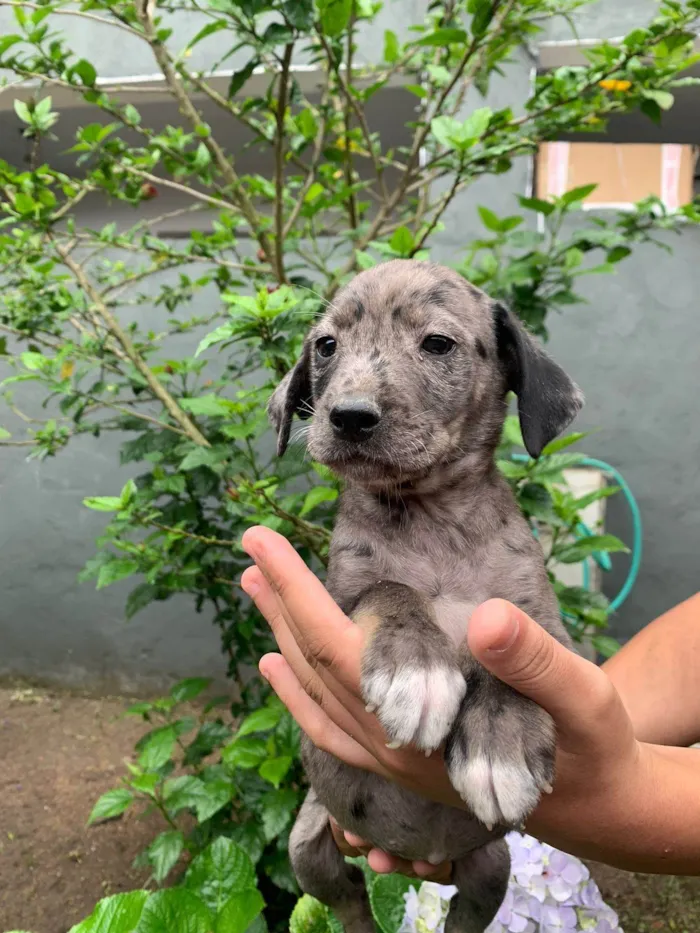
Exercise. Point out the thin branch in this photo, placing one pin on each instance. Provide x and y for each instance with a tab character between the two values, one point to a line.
122	337
279	161
188	110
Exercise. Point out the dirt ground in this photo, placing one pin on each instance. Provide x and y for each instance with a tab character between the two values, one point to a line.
59	752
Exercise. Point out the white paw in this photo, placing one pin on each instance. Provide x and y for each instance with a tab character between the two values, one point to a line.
415	705
497	791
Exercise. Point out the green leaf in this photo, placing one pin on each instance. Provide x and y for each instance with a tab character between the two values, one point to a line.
211	405
605	645
535	500
402	241
4	434
103	503
23	111
85	71
244	753
189	689
222	870
386	896
213	797
561	443
315	497
261	720
274	769
216	336
239	912
365	261
445	130
315	191
33	361
537	204
278	809
164	852
208	30
311	916
176	910
618	253
334	15
577	194
140	597
477	123
111	805
585	547
391	46
114	571
664	99
156	748
489	219
119	913
442	37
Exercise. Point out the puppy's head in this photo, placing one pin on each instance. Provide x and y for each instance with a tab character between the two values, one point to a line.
409	369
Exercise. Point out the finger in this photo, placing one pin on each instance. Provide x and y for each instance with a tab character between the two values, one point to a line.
385	864
324	631
341	706
345	847
314	721
439	874
518	651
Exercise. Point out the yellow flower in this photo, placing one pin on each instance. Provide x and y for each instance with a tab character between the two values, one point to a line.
611	84
67	368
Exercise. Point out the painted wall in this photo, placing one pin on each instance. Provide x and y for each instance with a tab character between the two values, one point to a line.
634	349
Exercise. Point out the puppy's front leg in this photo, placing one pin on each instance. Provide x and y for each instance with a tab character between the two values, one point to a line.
411	675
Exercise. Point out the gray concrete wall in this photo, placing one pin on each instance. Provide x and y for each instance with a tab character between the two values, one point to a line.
634	349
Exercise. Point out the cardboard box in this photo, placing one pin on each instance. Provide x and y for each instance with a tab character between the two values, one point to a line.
624	172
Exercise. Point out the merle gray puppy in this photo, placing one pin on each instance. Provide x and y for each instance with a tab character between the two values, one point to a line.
406	375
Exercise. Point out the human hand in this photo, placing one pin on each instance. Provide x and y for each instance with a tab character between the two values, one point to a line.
600	766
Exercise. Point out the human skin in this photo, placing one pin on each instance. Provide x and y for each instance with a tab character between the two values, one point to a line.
617	798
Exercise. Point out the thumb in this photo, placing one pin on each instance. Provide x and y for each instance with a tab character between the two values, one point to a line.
523	655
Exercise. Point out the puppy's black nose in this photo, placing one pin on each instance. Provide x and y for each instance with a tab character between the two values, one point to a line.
354	419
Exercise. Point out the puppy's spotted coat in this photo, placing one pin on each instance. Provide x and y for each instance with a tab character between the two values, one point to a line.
407	376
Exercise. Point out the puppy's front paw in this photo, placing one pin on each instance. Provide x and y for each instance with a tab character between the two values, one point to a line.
500	754
415	694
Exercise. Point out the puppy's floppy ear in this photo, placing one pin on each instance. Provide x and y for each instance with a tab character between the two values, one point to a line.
548	400
292	396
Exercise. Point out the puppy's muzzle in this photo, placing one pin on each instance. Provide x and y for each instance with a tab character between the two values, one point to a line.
354	419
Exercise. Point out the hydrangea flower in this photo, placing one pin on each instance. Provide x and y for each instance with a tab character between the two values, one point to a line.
549	892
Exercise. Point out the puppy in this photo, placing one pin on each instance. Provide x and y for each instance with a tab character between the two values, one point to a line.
406	375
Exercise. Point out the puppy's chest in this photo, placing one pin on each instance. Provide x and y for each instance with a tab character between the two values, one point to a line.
454	583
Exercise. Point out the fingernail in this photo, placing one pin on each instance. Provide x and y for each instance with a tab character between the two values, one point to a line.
506	636
250	588
264	672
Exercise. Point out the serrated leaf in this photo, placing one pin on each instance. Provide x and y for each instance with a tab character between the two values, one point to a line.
176	910
605	645
402	241
207	405
103	503
119	913
110	805
585	547
443	37
561	443
386	896
315	497
664	99
222	870
189	689
334	15
164	852
156	748
261	720
239	912
114	571
278	809
248	752
140	597
274	769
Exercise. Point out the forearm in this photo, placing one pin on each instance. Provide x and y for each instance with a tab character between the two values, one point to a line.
657	674
650	824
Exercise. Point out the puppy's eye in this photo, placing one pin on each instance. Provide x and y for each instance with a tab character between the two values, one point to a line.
325	346
438	345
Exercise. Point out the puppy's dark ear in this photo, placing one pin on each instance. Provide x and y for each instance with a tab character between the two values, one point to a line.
548	401
292	396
